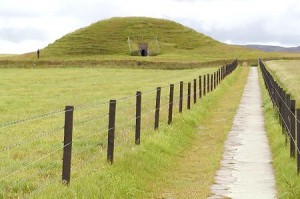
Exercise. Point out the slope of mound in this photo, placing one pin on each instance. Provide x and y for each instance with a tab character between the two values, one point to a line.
111	37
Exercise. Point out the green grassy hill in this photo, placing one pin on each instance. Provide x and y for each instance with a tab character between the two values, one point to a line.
110	37
106	42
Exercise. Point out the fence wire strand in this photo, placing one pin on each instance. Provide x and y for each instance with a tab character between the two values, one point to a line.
282	100
281	116
32	163
37	117
33	138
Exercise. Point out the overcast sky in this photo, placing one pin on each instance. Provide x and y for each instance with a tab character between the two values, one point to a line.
26	25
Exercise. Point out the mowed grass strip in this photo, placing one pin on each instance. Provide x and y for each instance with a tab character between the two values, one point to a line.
187	152
287	179
192	173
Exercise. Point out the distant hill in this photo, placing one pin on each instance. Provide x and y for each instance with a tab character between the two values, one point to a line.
268	48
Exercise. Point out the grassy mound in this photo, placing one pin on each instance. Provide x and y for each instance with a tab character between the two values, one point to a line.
111	37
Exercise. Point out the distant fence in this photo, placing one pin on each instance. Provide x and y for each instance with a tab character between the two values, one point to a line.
195	90
285	106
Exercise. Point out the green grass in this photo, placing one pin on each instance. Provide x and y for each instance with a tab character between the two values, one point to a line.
287	73
41	90
106	42
146	171
32	91
287	179
193	171
109	37
29	92
7	55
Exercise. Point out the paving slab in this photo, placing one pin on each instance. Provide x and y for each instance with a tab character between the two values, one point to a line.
246	168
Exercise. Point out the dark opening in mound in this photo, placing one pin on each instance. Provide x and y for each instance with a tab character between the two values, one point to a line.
143	49
144	52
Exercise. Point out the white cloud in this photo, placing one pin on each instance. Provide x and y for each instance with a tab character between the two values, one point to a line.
237	21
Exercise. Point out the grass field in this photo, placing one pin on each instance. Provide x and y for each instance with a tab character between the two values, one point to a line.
31	92
147	171
6	55
287	74
287	179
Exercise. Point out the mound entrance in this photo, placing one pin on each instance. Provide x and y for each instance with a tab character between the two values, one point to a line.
143	46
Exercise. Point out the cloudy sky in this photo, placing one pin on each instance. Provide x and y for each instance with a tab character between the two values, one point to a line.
28	25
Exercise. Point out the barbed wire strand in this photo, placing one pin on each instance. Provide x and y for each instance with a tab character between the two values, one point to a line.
45	185
30	164
37	117
282	118
27	178
84	162
91	119
31	139
83	107
282	100
289	132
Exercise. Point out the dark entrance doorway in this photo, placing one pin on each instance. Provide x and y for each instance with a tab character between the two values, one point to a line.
144	52
143	49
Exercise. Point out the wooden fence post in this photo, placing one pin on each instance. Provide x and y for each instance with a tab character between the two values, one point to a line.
138	114
200	87
208	90
282	110
111	131
189	96
219	77
157	107
67	152
222	72
286	113
215	80
211	82
180	96
171	103
195	91
298	140
293	128
204	85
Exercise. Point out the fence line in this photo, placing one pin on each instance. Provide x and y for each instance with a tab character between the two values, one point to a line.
288	119
194	91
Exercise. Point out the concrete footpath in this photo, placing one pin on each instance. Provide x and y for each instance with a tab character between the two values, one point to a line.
246	169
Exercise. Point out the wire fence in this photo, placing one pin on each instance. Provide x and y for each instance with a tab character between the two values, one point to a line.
288	115
41	151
